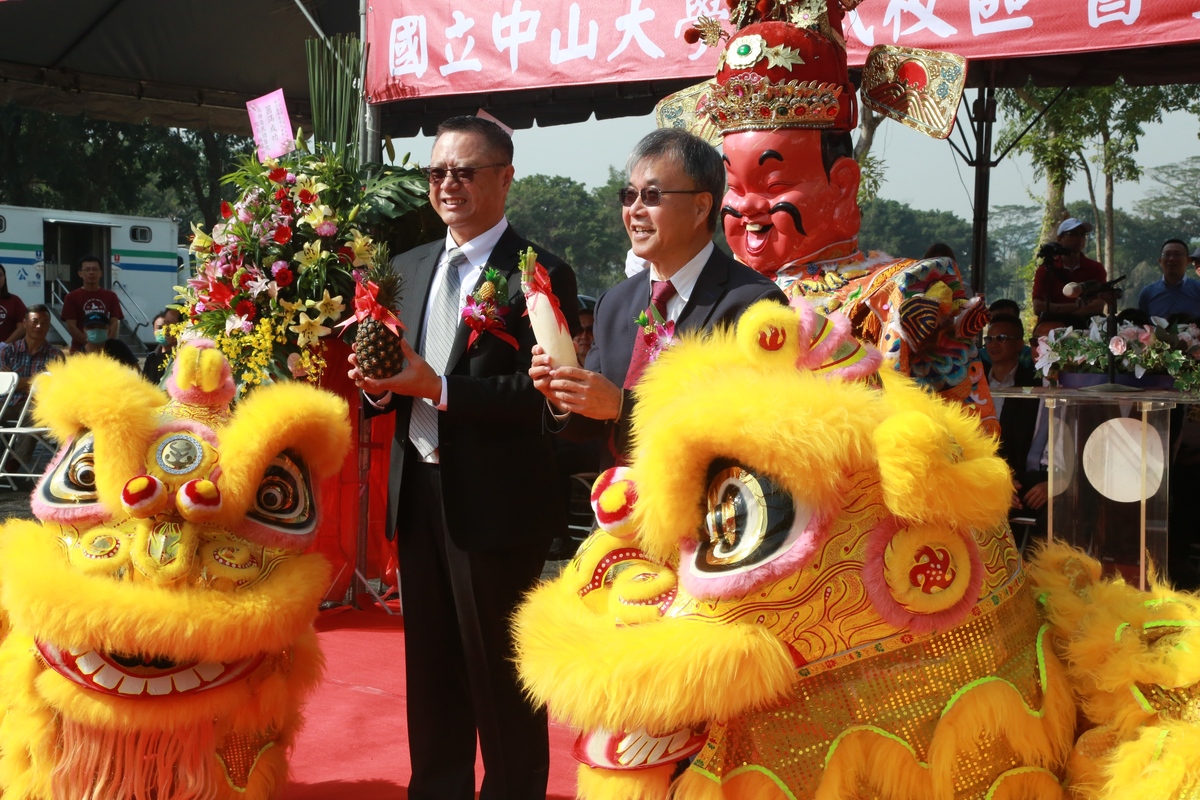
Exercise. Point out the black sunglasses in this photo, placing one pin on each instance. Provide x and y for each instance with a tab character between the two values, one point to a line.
459	174
1002	338
651	195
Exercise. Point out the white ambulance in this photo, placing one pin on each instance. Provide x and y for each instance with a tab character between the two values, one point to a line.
40	249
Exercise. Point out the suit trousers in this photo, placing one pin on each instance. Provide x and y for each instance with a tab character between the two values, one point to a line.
459	655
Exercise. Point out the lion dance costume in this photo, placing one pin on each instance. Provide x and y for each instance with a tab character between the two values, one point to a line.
802	588
157	624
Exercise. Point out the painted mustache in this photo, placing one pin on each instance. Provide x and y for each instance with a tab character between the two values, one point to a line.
785	207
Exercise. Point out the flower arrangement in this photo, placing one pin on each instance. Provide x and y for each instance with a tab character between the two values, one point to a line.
274	275
657	333
1139	350
486	308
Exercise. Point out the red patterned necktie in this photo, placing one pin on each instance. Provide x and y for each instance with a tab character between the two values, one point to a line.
660	294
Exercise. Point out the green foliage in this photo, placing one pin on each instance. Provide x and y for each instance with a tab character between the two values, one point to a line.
872	177
81	164
903	231
1012	242
584	228
334	65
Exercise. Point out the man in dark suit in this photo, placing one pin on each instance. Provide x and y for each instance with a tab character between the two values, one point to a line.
670	211
475	497
1018	416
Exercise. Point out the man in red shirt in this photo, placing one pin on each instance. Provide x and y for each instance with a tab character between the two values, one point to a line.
90	299
1074	267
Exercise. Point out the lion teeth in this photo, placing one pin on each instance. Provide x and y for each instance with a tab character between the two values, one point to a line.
89	662
210	670
186	680
108	677
132	685
159	686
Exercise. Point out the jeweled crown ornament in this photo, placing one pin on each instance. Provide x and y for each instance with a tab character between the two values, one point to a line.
785	68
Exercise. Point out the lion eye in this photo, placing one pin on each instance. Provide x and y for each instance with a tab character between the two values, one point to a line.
284	499
748	520
73	480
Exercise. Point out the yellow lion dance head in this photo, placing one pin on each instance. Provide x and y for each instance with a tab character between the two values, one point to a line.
160	615
805	585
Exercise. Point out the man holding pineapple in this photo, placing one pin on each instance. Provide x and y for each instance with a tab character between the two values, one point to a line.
474	492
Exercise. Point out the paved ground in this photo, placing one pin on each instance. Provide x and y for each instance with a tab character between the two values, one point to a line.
14	504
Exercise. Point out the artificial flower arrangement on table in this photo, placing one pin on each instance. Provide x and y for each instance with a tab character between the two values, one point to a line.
278	271
1140	350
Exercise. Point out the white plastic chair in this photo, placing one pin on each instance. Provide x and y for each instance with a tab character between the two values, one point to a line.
12	463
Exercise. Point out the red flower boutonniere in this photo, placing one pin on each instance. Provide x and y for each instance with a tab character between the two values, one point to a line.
483	312
656	332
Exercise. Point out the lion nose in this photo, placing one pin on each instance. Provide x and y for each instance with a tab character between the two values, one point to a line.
164	550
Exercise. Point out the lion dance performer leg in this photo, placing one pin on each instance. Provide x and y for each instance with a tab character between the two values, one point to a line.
159	616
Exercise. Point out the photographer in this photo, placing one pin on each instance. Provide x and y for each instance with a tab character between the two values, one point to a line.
1063	262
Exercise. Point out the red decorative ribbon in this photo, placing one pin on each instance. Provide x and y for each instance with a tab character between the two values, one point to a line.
541	285
492	326
484	316
366	306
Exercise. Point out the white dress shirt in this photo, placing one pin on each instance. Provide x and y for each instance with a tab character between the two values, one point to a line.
684	281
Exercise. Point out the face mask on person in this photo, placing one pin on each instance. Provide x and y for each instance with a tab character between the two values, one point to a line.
160	336
96	335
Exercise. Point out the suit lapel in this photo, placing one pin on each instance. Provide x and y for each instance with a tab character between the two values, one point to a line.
709	289
419	276
504	259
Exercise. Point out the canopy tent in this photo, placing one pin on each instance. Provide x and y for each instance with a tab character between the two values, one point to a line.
185	64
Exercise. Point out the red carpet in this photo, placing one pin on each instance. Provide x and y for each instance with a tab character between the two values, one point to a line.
354	743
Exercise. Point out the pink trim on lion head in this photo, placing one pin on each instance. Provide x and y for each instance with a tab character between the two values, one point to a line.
817	357
79	515
738	583
885	603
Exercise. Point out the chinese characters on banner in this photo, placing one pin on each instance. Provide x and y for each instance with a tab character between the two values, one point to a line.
271	125
438	47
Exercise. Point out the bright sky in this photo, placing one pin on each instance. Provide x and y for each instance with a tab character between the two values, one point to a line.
920	171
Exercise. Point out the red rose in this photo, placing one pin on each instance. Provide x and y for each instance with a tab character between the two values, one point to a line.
244	279
283	277
245	309
286	206
281	194
308	197
226	209
283	234
277	175
345	255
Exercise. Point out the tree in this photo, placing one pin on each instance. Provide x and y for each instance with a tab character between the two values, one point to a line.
1098	124
562	216
901	230
1012	242
83	164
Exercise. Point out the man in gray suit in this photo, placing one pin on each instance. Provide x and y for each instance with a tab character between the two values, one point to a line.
475	497
670	210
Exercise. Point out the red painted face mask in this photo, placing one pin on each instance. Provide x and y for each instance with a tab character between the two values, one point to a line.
781	208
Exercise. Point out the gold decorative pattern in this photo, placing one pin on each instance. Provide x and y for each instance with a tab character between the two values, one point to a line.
679	110
902	692
239	754
920	89
750	101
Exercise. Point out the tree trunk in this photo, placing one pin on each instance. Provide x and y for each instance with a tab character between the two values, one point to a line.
868	121
1109	238
1087	171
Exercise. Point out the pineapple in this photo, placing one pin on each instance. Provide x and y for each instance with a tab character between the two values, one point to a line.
377	346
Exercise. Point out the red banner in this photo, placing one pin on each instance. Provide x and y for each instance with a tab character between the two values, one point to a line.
437	47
